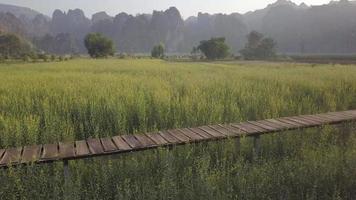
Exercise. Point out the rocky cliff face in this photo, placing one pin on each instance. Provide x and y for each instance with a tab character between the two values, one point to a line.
297	29
10	23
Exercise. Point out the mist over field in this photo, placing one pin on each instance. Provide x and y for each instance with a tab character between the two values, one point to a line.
297	28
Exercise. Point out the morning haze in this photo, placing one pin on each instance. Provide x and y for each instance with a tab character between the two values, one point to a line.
187	7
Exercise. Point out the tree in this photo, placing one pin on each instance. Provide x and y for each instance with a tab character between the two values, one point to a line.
12	46
195	53
215	48
99	46
158	51
258	47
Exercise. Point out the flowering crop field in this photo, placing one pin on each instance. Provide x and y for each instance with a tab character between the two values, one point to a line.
83	98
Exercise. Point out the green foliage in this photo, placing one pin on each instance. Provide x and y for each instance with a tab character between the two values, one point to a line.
13	47
62	101
158	51
62	43
215	48
99	46
259	47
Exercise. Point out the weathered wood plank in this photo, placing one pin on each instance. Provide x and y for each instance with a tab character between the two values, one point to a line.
309	120
2	151
132	141
193	136
121	144
286	125
323	120
293	123
95	146
268	128
66	150
145	141
180	136
11	156
82	148
275	125
202	133
235	130
108	145
212	132
223	130
31	153
169	137
303	123
249	128
50	152
157	138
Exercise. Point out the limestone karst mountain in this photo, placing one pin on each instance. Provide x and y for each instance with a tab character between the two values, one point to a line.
325	29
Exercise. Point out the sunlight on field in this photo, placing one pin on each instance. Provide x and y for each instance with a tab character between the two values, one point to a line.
78	99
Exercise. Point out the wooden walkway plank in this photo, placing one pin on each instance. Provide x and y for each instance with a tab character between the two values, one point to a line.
108	145
121	144
169	137
323	120
192	135
31	153
249	128
95	146
235	130
2	151
66	150
286	126
301	122
212	132
50	152
132	141
219	128
293	123
333	119
341	116
309	123
263	126
157	138
351	112
145	141
202	133
180	136
309	120
82	148
11	156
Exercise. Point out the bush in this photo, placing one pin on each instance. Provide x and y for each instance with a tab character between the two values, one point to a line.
214	48
13	46
258	47
158	51
53	58
99	46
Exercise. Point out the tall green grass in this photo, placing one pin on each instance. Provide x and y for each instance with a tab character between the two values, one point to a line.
49	102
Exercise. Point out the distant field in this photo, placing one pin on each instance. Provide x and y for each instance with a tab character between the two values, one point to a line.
77	99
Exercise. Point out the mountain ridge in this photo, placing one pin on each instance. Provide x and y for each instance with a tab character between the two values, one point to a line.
296	28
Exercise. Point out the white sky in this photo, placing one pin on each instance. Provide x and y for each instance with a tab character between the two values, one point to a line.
186	7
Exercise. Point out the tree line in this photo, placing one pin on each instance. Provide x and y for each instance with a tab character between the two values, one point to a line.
98	46
257	47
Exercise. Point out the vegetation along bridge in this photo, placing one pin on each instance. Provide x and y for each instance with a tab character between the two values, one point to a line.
47	153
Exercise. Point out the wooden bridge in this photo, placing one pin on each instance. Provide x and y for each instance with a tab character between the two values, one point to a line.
46	153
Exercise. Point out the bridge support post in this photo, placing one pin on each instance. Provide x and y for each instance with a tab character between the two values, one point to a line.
238	144
256	146
66	173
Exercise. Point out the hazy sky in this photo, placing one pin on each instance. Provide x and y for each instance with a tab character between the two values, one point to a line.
186	7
